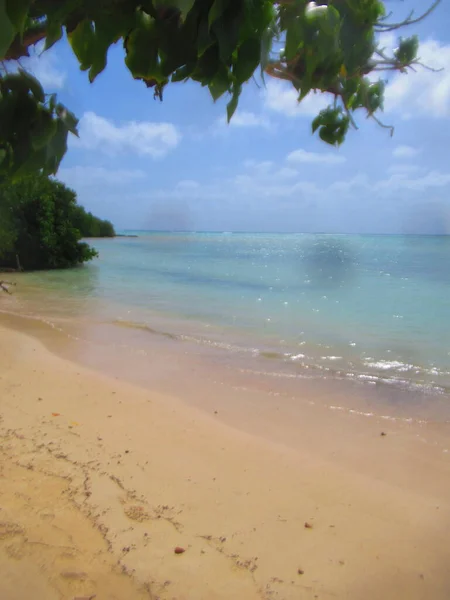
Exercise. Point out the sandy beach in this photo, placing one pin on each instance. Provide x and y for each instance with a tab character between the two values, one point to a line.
102	480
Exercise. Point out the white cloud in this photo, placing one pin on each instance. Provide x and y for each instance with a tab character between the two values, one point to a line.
396	182
348	186
401	181
261	167
289	200
249	119
45	66
85	176
405	152
403	168
241	119
303	156
283	98
286	173
424	93
143	138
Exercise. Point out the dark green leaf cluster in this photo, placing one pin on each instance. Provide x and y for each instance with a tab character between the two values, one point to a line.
39	215
214	42
332	48
328	48
33	127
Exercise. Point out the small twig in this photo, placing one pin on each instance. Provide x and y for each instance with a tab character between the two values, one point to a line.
387	16
417	62
384	27
350	116
390	127
255	82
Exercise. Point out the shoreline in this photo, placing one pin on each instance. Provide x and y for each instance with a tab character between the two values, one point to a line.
217	355
146	472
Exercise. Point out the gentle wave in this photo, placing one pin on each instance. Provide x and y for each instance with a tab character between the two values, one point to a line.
371	372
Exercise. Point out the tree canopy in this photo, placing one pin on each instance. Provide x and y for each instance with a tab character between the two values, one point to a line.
331	48
39	220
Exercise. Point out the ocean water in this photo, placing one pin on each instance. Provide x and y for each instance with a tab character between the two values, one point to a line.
363	308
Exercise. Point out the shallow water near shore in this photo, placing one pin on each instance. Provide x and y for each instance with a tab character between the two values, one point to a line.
363	321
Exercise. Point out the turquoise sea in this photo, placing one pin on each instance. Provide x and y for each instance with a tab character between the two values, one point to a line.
365	308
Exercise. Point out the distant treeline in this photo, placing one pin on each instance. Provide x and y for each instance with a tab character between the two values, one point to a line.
41	225
91	226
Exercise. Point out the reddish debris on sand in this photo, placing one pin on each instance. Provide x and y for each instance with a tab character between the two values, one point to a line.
179	550
308	525
300	571
56	415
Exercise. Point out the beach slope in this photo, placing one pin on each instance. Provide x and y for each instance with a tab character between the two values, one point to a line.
102	481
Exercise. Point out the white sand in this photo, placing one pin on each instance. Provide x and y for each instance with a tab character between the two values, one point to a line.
100	481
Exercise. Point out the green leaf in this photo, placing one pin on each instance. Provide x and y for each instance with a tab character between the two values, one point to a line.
333	125
142	53
43	129
406	53
328	135
33	85
220	83
68	118
226	31
106	33
294	37
357	46
204	40
34	161
248	57
304	91
375	97
331	22
217	10
7	30
233	103
316	124
54	33
52	101
17	11
18	84
183	73
56	148
207	66
82	39
184	6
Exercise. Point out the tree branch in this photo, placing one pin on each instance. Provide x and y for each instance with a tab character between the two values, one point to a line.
390	127
384	27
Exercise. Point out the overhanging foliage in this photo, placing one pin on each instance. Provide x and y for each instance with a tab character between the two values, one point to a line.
220	44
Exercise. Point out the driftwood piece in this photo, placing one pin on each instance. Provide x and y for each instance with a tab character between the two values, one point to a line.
4	285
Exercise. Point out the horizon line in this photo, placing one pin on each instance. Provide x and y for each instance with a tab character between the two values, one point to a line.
218	231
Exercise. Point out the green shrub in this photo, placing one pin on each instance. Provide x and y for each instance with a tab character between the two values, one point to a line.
37	225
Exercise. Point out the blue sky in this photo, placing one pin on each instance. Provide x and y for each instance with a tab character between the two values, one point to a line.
176	165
